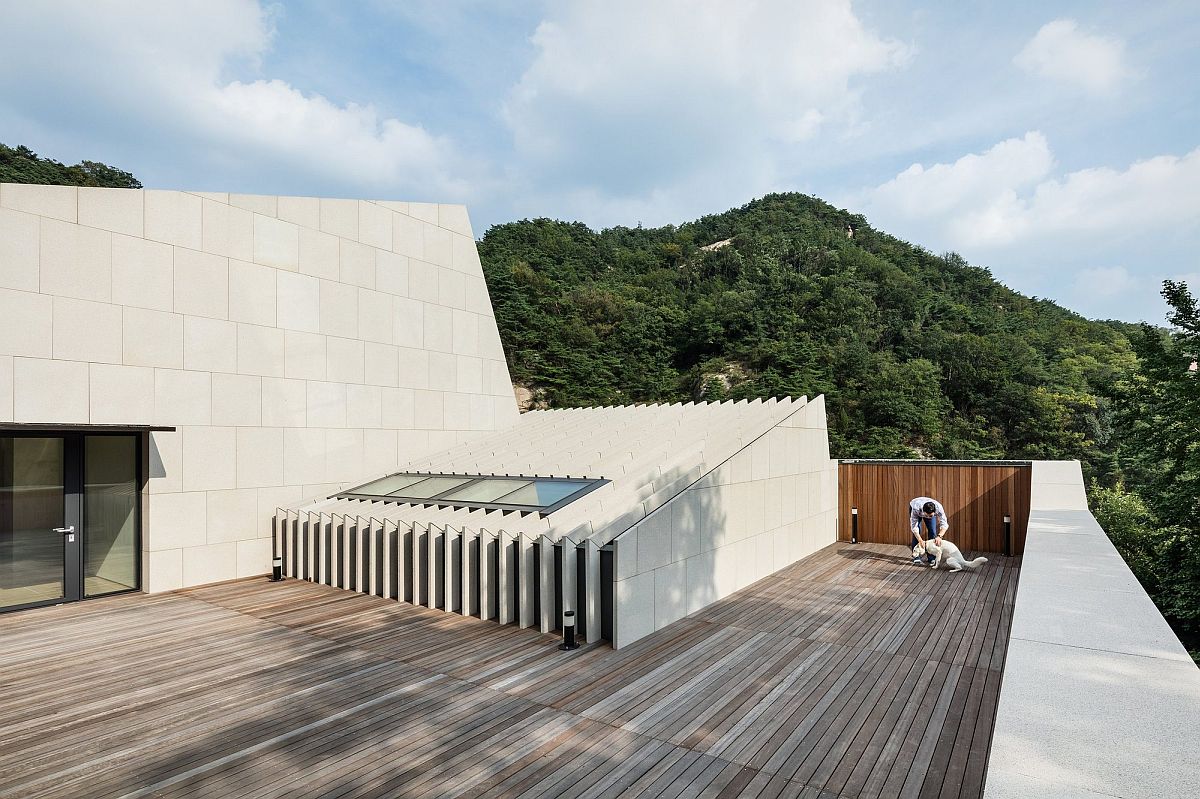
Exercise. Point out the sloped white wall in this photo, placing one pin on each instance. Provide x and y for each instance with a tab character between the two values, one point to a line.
298	345
770	505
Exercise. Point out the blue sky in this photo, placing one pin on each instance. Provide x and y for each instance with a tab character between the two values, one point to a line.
1057	144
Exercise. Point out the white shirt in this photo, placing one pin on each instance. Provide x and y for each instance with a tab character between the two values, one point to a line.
915	519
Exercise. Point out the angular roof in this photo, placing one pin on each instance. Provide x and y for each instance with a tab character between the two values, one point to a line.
649	453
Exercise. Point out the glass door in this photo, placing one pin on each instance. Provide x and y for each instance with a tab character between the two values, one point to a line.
69	517
110	514
38	541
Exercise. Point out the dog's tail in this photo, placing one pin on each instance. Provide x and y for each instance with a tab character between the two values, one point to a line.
975	564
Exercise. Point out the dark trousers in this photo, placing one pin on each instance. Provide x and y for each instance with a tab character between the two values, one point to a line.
930	526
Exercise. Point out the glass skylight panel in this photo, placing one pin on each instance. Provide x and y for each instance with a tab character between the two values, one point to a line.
526	494
541	493
430	487
390	484
484	491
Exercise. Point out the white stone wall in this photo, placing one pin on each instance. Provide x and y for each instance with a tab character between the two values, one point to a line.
298	345
771	504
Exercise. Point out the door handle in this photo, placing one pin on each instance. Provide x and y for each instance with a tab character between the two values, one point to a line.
70	529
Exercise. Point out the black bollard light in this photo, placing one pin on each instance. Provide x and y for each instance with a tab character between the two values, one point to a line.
568	625
276	569
1007	536
854	525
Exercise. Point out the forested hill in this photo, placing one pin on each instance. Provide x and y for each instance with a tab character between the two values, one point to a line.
919	355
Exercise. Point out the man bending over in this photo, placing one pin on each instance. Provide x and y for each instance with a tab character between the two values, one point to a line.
927	516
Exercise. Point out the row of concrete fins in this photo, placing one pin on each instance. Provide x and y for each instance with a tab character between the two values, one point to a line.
456	569
592	442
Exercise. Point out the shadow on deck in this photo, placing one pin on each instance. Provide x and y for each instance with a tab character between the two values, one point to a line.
802	684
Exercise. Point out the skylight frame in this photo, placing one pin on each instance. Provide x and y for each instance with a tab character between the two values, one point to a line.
586	486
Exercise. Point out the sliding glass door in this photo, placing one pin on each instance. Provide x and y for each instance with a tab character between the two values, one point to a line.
69	517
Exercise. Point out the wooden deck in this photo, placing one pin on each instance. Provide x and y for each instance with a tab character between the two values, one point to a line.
800	685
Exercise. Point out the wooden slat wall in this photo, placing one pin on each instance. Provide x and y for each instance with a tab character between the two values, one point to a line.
976	498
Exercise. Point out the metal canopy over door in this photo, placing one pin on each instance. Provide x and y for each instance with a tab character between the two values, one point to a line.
69	517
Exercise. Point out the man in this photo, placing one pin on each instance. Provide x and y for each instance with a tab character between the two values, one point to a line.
929	514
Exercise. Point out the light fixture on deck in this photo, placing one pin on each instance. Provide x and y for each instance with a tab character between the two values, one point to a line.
568	625
1007	535
854	525
276	569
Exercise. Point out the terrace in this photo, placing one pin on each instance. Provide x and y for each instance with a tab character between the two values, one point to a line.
751	652
804	683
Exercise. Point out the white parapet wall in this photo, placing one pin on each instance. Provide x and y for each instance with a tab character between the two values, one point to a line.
1099	697
297	345
771	504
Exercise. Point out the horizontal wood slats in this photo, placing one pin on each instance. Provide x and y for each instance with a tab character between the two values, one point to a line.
850	673
976	498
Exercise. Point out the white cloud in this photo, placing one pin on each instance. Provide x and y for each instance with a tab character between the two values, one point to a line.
976	197
167	69
351	141
635	99
1007	195
1101	239
1062	53
1155	194
1104	282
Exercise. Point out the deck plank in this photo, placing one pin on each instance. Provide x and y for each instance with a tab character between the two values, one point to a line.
799	685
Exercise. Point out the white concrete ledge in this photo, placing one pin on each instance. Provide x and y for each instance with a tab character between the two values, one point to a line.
1099	697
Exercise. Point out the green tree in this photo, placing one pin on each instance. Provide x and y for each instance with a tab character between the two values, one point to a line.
1162	412
22	165
1157	528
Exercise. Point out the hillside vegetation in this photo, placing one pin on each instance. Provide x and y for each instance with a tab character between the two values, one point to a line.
919	355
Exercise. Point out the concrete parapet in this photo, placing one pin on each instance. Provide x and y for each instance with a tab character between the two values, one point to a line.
1099	697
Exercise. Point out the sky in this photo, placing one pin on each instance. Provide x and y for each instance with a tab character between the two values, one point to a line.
1056	143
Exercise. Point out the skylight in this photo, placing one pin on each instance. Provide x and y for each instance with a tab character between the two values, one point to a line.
542	495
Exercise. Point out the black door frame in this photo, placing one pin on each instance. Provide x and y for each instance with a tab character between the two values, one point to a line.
74	511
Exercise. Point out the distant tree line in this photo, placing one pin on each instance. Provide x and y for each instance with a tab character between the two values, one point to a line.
22	165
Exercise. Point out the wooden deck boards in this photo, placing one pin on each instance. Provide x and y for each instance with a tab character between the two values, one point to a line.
801	685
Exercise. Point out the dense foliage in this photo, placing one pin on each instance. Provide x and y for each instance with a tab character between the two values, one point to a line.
22	165
917	354
1153	513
